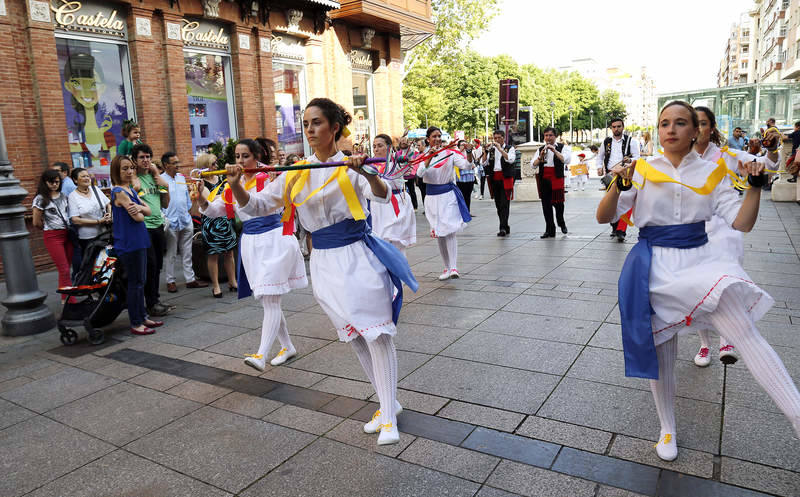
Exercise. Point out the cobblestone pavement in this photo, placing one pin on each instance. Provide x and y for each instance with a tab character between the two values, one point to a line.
511	378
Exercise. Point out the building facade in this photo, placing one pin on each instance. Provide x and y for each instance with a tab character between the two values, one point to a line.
193	72
735	65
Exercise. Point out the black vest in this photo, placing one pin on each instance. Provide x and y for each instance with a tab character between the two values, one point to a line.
558	164
507	167
626	148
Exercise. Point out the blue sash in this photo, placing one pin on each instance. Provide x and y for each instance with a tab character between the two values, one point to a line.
254	226
350	231
634	293
431	189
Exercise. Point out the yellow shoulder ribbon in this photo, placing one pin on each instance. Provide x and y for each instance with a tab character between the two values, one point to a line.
339	174
215	192
650	173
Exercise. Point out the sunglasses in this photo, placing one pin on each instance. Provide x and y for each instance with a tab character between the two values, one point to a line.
53	181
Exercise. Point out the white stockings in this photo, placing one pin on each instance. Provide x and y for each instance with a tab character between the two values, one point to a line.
379	360
448	247
274	325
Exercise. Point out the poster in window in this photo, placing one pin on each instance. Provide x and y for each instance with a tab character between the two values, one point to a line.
207	99
93	90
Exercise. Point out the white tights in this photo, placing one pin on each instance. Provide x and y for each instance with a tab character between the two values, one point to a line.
274	324
379	360
705	339
732	322
448	247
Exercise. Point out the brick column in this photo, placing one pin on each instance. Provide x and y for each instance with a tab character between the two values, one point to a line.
395	67
175	78
315	69
266	90
243	60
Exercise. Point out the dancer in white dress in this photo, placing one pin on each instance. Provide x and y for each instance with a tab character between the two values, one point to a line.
445	207
728	241
674	280
395	222
270	263
353	271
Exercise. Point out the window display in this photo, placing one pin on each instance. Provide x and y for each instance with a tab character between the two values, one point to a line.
287	81
363	126
207	86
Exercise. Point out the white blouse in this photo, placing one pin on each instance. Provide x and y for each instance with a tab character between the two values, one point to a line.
445	173
713	153
663	204
325	208
216	208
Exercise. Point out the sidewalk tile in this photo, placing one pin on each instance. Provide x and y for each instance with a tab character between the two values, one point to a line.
494	492
246	405
14	383
676	485
157	380
642	451
546	328
537	482
301	397
415	401
604	469
348	388
605	491
567	434
11	414
121	371
292	376
198	391
452	460
424	338
759	477
761	437
351	432
59	389
343	407
303	419
513	447
481	416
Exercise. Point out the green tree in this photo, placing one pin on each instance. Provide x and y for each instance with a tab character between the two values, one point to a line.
611	106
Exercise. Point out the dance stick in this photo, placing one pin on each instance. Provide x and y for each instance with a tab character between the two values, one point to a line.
198	173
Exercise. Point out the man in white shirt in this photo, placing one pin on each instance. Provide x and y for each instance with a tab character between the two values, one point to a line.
501	159
615	148
550	161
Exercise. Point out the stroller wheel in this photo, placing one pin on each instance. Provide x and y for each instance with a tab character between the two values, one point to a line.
97	337
69	337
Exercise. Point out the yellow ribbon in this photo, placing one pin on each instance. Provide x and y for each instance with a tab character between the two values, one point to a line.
339	174
650	173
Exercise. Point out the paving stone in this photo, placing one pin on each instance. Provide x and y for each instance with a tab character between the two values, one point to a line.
293	376
516	352
689	461
449	459
513	447
415	401
25	369
481	416
567	434
201	335
326	468
122	413
495	386
301	419
246	405
311	325
162	349
198	391
301	397
434	315
677	485
464	298
603	469
537	482
48	449
348	388
609	336
11	414
53	391
248	343
741	389
339	359
631	412
432	427
761	437
216	447
605	491
122	473
14	383
558	307
351	432
493	492
759	477
343	407
543	327
424	339
121	371
40	373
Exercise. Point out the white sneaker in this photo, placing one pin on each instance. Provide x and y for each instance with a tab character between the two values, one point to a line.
667	448
389	434
728	355
454	274
445	275
375	424
702	358
480	198
283	356
256	361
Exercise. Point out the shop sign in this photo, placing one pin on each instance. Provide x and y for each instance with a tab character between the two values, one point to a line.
85	17
288	47
360	59
205	35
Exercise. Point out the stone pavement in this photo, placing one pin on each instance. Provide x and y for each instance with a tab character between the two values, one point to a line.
511	378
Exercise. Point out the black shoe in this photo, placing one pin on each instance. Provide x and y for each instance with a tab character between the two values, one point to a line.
564	229
613	233
501	233
621	236
158	310
548	235
793	179
508	230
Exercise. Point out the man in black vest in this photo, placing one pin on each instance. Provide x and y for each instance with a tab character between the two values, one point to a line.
615	148
500	172
549	162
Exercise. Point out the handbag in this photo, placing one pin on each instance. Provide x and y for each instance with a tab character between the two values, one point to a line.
104	230
72	230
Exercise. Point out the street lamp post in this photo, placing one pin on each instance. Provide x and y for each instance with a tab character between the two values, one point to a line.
570	124
552	114
591	125
27	314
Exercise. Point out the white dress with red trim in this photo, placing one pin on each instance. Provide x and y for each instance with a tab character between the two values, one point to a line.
442	210
272	260
395	222
351	285
686	284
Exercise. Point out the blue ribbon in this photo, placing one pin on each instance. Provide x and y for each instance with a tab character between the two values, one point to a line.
254	226
350	231
432	189
634	293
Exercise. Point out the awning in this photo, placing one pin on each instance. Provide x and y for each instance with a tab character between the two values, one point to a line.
410	38
327	3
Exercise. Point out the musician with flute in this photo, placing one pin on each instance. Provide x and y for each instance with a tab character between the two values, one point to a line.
616	148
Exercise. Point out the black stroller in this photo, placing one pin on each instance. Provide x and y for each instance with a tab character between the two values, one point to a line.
97	296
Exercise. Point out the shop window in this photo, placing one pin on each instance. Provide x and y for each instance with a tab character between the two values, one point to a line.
96	91
362	111
208	88
288	84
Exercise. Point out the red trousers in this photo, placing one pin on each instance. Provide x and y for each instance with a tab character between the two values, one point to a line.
60	249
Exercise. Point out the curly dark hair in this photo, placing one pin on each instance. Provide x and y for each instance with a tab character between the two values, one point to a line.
333	112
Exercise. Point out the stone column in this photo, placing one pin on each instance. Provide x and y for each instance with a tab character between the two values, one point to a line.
525	190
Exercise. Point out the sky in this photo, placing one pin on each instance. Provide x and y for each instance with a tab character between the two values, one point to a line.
680	41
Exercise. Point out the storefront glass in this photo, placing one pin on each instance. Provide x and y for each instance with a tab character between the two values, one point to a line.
288	81
363	126
96	90
208	91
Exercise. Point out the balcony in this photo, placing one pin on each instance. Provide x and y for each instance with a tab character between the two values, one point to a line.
411	19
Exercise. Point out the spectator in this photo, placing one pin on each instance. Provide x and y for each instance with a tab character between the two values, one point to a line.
67	185
738	140
131	241
270	149
291	159
477	156
180	230
50	215
218	235
646	148
154	192
89	208
132	133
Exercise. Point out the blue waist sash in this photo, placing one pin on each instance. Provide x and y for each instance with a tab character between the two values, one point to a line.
634	293
254	226
431	189
350	231
397	192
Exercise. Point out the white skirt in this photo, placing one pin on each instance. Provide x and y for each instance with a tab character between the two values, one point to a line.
273	263
686	285
727	241
398	228
355	291
443	214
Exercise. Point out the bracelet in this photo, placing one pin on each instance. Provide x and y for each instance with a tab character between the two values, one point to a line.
757	181
621	186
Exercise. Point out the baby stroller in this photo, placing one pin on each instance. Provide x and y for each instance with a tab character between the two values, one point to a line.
97	296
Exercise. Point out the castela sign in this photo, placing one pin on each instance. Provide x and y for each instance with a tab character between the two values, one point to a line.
75	16
205	35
